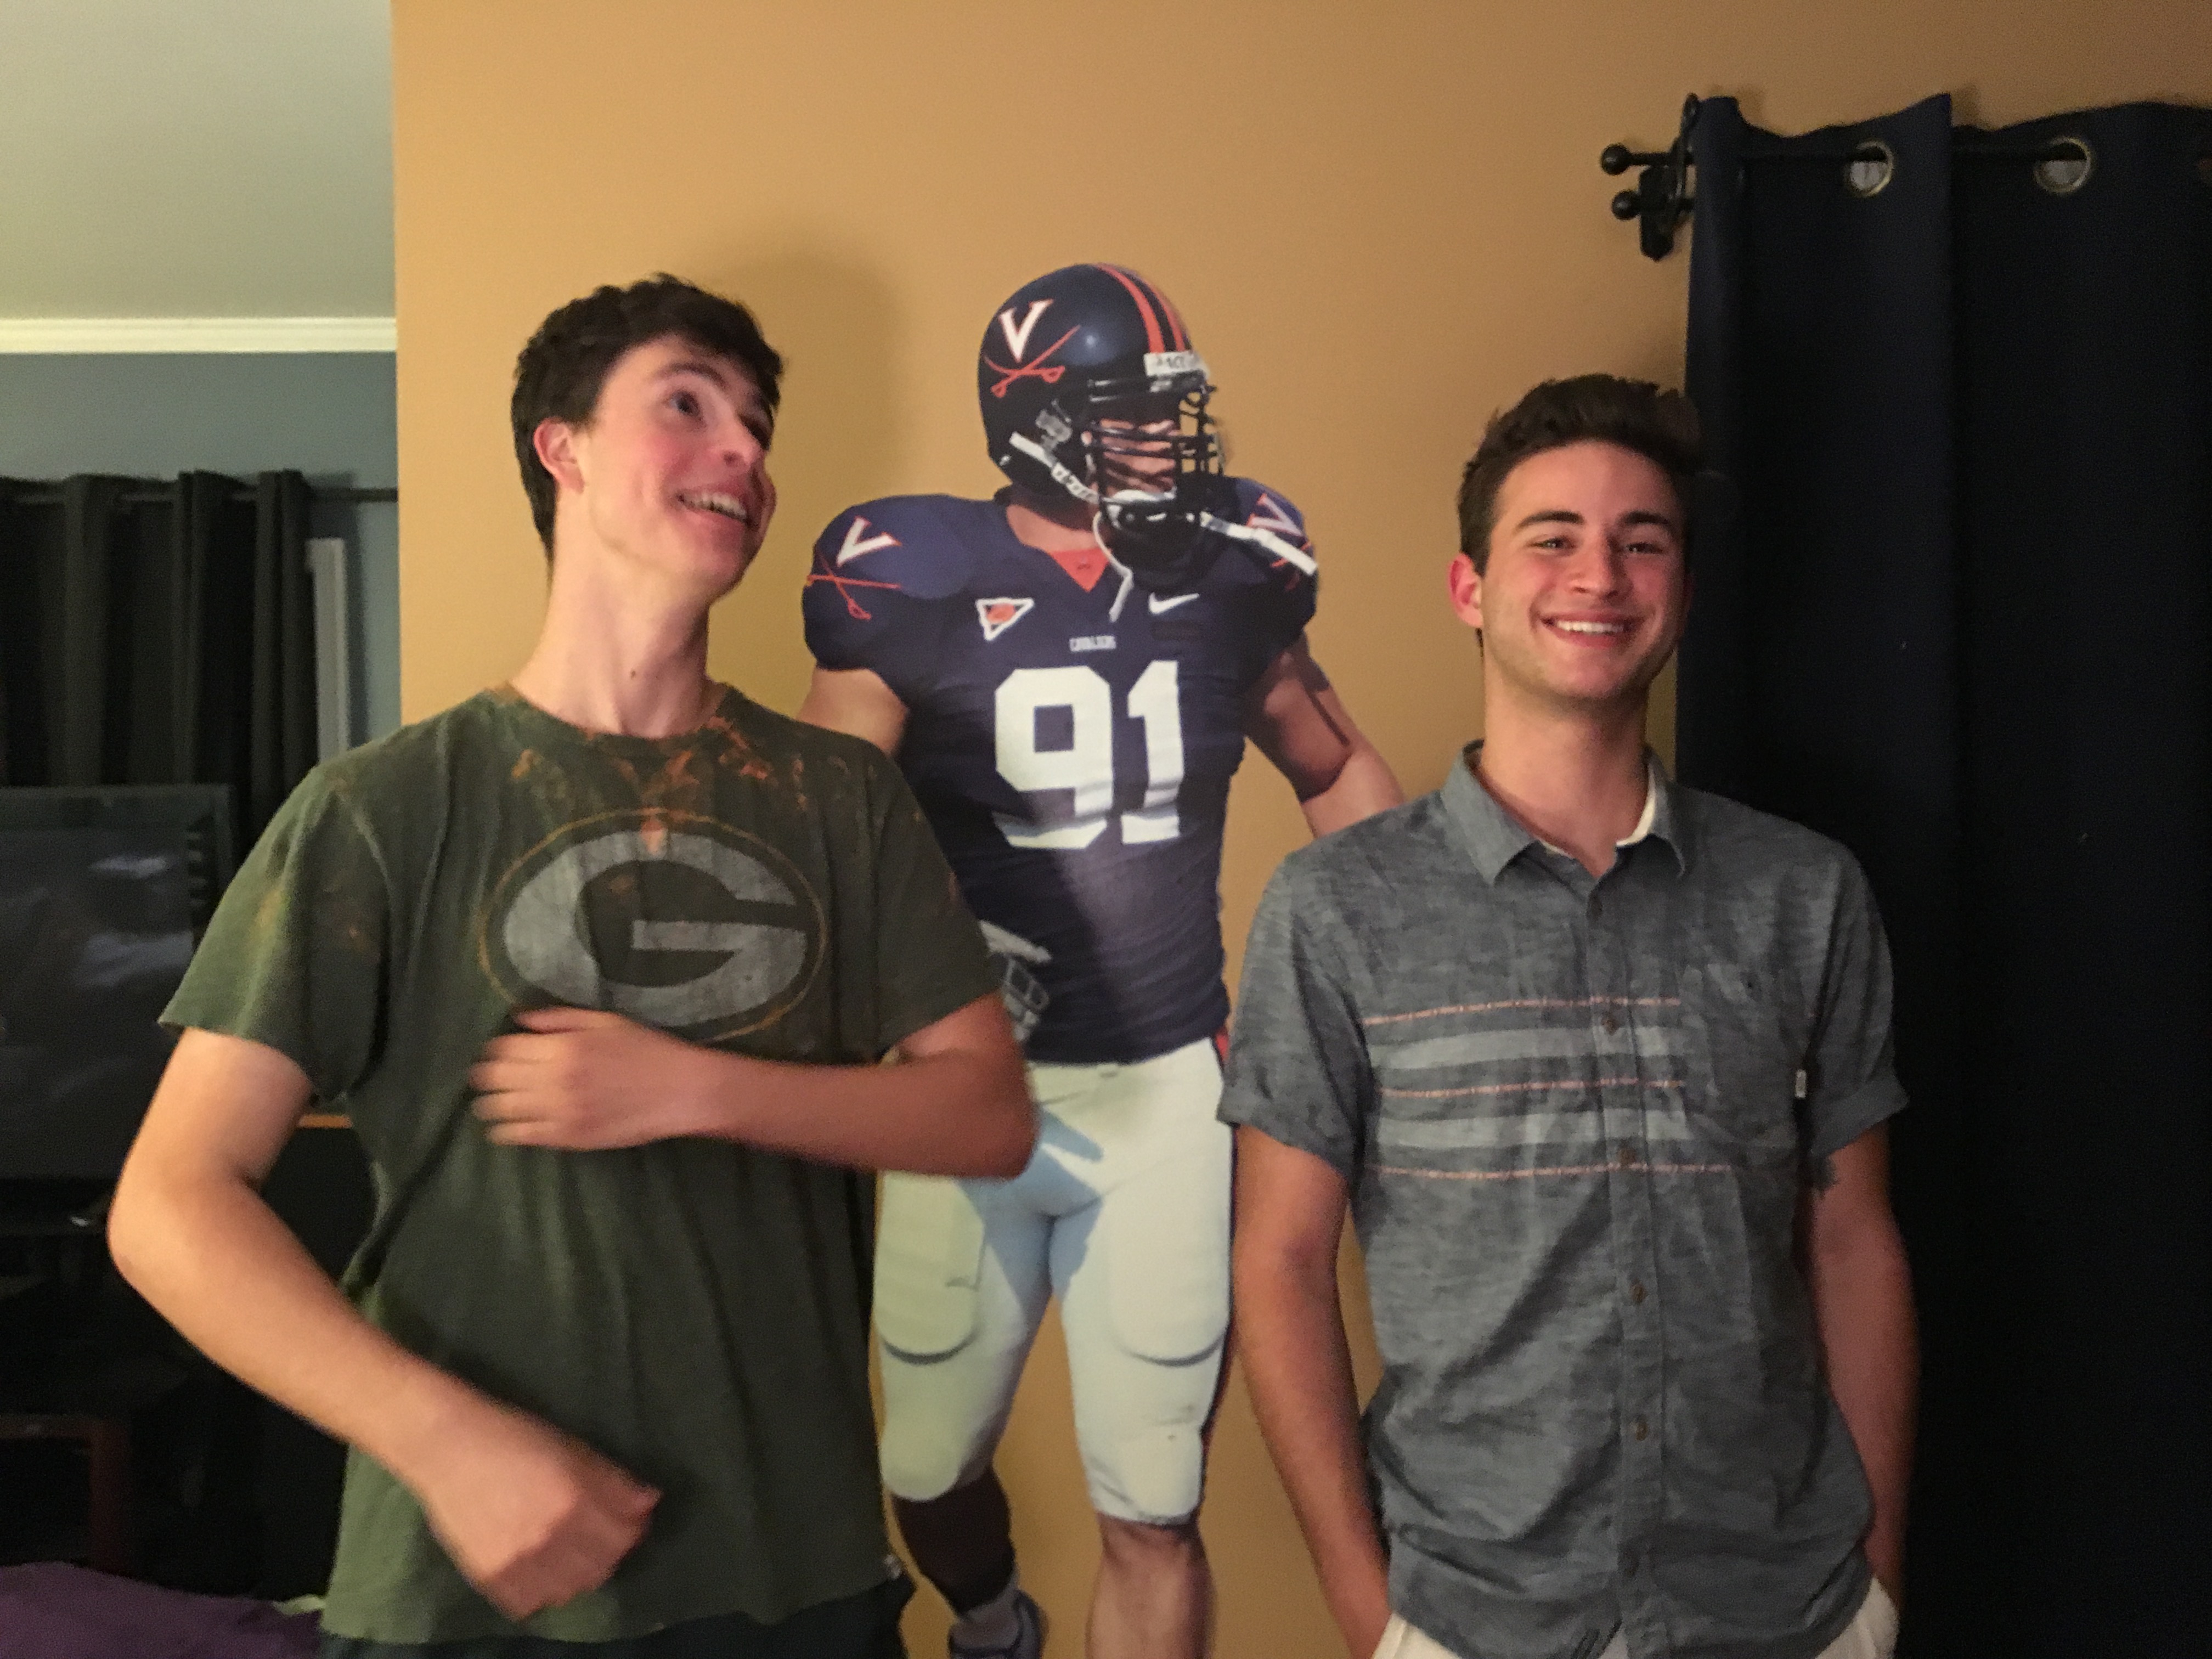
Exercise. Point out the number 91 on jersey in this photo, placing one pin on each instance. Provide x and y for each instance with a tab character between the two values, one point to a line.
1084	767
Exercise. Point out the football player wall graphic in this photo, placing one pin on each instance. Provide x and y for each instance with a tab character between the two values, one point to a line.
1067	673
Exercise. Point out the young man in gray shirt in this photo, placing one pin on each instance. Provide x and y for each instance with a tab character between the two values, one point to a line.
1602	1067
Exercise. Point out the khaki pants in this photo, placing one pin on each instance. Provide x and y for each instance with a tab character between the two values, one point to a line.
1872	1634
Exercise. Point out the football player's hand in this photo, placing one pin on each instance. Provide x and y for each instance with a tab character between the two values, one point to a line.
583	1080
531	1517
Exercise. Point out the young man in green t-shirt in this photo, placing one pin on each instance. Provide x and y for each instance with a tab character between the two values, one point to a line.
600	964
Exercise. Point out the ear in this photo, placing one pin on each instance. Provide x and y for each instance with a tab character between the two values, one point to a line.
554	441
1465	583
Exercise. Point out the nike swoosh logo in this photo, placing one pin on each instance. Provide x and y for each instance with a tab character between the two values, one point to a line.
1161	603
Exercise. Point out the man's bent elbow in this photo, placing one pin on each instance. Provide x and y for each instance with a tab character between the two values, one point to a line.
155	1219
122	1242
133	1228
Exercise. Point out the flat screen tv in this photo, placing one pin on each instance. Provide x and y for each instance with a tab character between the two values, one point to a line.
103	894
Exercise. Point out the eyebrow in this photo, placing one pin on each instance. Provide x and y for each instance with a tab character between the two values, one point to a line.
1567	515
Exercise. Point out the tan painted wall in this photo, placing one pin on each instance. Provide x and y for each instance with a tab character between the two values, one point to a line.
1382	223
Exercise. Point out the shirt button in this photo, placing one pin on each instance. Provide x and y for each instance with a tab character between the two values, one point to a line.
1640	1428
1612	1024
1596	909
1636	1289
1627	1155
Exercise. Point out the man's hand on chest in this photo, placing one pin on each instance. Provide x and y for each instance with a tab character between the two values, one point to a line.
581	1080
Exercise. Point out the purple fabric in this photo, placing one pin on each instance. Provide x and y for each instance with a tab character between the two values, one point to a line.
50	1610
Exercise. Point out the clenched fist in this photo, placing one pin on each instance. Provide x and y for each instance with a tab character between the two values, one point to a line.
531	1517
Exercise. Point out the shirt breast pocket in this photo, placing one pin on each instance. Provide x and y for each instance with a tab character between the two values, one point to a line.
1744	1051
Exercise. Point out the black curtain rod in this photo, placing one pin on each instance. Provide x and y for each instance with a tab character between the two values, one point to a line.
50	495
1663	199
2054	149
1618	158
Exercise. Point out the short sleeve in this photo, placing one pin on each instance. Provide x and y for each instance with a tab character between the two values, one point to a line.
863	607
930	957
295	956
1850	1081
1298	1056
844	615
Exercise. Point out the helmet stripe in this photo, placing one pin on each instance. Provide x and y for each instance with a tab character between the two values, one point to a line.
1155	341
1167	308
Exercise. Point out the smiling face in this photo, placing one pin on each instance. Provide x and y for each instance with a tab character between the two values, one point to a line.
1585	590
670	475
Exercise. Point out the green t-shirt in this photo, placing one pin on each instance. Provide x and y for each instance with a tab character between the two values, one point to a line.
694	1310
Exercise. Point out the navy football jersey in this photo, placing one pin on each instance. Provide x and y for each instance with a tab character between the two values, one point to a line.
1073	748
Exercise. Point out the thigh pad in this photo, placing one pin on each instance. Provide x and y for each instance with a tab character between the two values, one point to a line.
929	1260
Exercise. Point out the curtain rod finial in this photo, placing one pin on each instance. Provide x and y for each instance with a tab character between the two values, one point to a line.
1661	199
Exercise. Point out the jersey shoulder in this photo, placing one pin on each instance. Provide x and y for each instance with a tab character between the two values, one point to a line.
1262	509
925	547
885	575
1265	526
1269	567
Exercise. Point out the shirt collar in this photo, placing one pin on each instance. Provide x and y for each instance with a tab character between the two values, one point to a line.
1494	838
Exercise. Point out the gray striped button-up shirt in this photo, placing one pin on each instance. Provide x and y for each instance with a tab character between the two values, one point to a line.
1576	1117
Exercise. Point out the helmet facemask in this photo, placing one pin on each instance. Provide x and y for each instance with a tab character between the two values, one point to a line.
1155	461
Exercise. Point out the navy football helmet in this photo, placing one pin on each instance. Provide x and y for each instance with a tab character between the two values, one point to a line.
1090	389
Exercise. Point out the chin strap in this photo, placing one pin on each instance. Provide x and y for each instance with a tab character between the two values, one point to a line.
1289	552
1129	576
1044	457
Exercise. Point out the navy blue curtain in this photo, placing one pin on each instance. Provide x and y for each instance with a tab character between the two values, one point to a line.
1960	619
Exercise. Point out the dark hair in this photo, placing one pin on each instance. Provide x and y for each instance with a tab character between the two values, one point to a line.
559	373
1657	424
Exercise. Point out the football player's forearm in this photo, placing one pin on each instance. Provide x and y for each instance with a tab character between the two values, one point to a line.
207	1252
1364	785
1297	1367
960	1112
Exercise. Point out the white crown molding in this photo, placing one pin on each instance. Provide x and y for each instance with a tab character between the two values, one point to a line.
59	335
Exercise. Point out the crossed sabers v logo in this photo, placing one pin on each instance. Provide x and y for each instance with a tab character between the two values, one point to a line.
857	542
1017	336
845	585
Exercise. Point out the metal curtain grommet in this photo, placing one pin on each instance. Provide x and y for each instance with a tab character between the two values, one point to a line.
2067	166
1871	167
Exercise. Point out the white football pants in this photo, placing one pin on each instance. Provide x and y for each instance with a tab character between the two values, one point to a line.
1123	1214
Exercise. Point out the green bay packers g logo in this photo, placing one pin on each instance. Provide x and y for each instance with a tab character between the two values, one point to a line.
671	919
